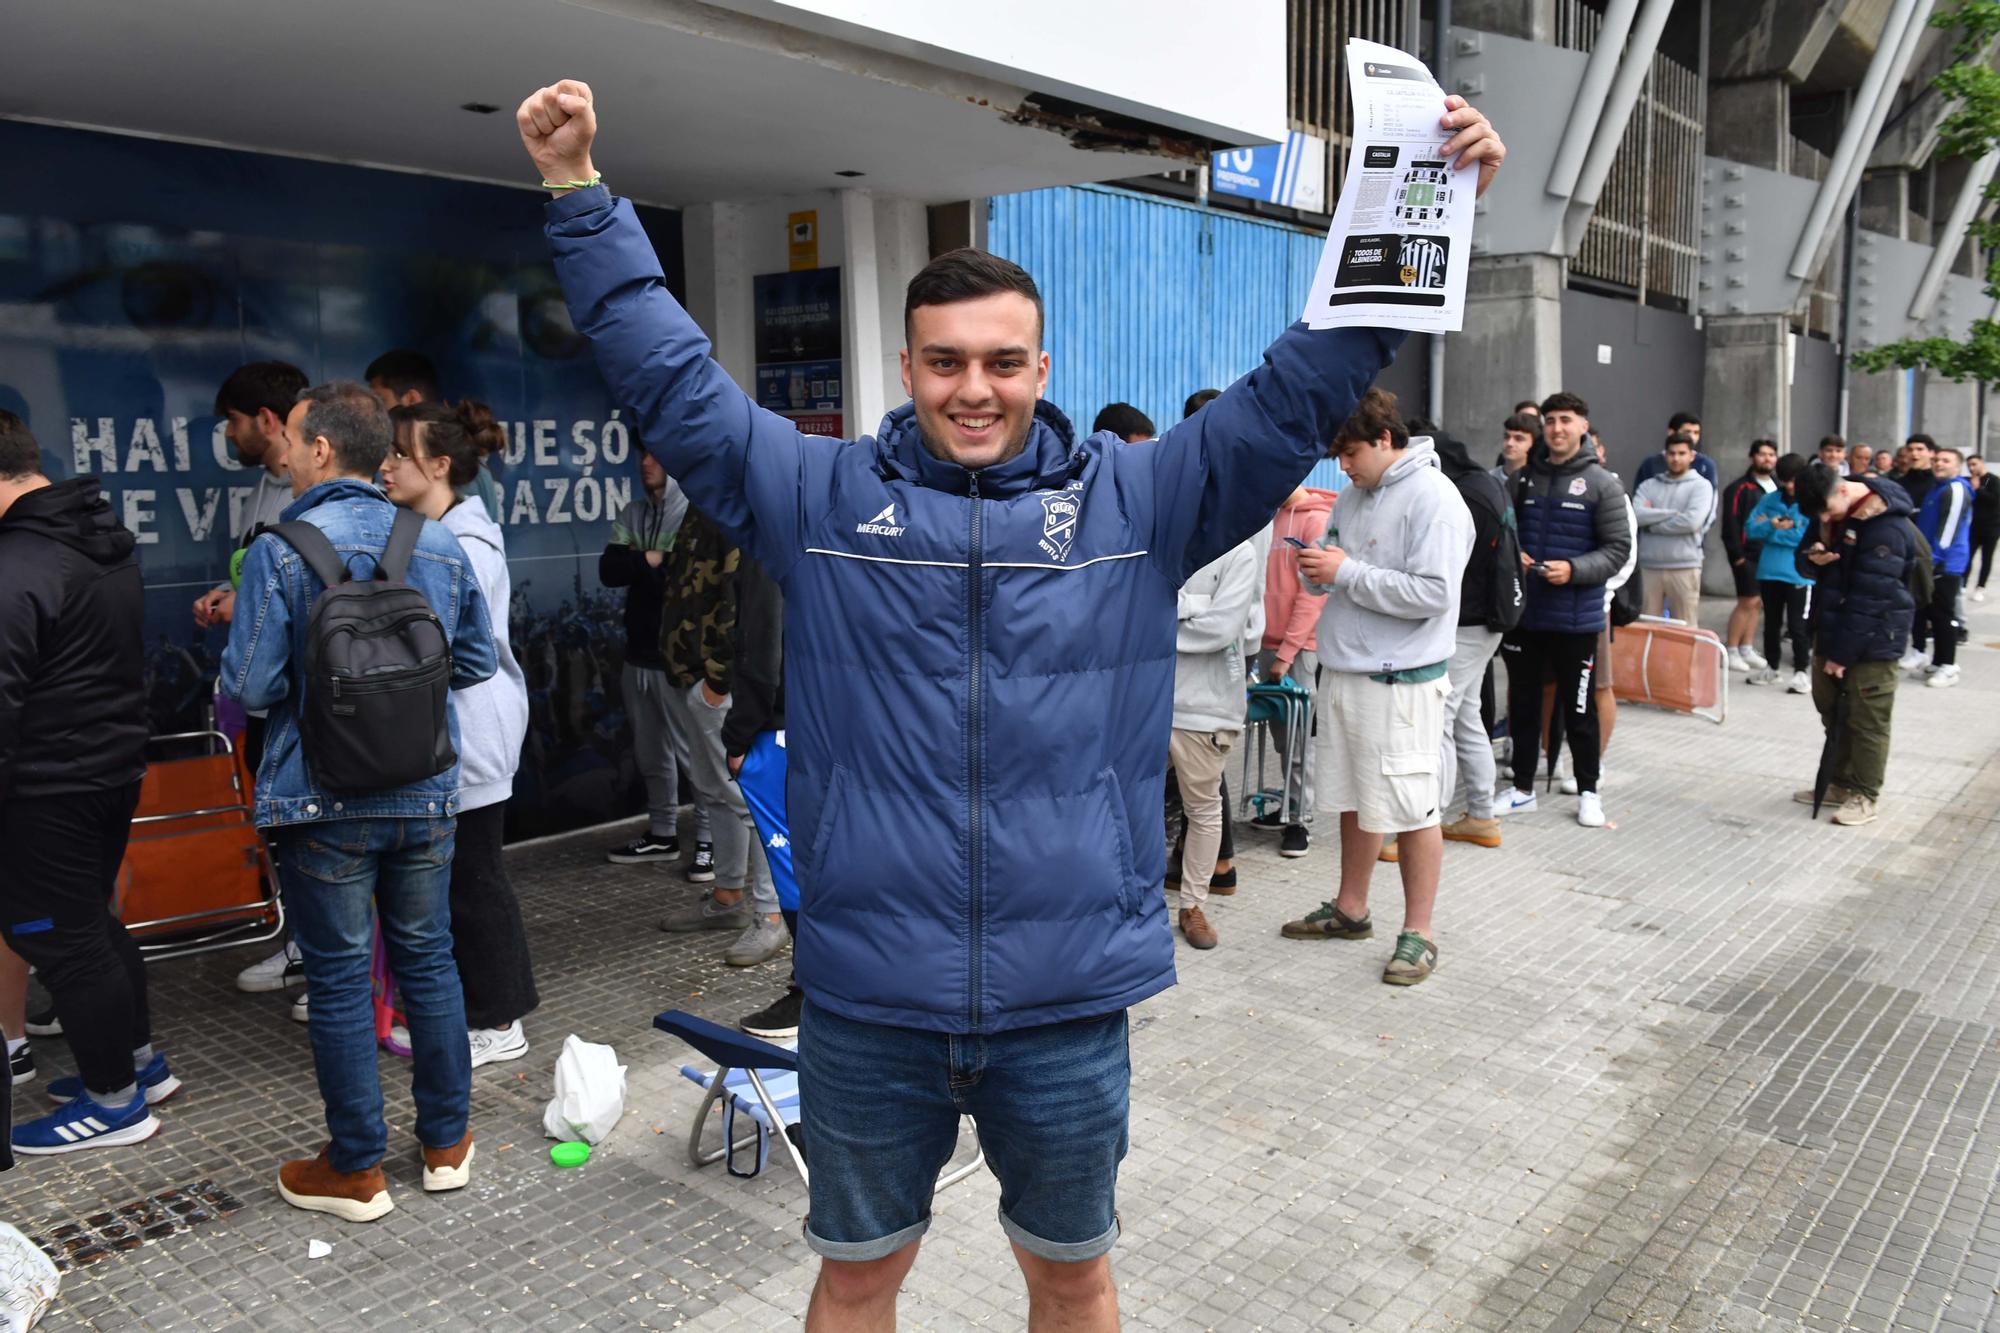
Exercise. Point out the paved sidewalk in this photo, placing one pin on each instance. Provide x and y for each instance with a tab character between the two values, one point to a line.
1717	1068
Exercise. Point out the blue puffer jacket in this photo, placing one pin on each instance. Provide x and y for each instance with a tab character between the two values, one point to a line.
979	667
1862	600
1777	562
1946	522
1574	511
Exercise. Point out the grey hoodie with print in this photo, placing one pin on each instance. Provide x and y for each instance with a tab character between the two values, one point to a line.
1394	604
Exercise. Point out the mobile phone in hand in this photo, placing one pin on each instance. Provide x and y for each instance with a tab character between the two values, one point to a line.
1296	542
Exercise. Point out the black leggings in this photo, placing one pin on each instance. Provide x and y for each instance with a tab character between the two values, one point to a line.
1983	542
488	940
55	911
1786	607
1530	655
1937	622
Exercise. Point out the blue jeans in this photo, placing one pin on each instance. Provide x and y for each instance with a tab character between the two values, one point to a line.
880	1109
332	874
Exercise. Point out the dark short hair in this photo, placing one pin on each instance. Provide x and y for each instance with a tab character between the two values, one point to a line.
1832	442
1123	420
1790	466
1678	437
402	369
1755	445
261	385
20	456
463	435
1564	401
1523	424
1975	458
1921	438
353	421
1197	400
1374	414
967	275
1682	419
1951	449
1527	405
1815	484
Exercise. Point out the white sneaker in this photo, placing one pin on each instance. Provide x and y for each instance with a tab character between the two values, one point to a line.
492	1045
1943	678
1589	810
283	968
1513	802
1801	683
1979	594
299	1012
1913	659
1737	662
1754	658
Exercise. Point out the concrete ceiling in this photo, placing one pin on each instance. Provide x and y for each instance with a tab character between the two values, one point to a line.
695	103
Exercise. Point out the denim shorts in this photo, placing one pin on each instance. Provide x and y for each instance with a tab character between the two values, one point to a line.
881	1108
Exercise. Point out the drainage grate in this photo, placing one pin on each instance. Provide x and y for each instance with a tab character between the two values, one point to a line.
85	1240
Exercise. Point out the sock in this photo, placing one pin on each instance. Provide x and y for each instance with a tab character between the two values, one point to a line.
142	1055
15	1043
118	1099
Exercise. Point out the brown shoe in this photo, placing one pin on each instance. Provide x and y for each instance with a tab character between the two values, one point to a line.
1200	935
311	1183
448	1168
1328	922
1478	832
1389	851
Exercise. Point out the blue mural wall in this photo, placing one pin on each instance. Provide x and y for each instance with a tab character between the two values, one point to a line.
135	275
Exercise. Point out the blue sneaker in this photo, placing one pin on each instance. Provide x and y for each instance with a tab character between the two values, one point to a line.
84	1124
155	1080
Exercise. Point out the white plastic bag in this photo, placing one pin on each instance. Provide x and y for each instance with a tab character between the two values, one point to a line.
28	1281
590	1092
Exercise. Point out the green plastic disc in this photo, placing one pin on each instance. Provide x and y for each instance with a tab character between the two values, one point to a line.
570	1154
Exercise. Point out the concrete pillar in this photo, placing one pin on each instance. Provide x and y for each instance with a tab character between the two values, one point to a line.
1746	395
1511	347
1885	202
1751	123
886	239
1878	405
714	239
1951	411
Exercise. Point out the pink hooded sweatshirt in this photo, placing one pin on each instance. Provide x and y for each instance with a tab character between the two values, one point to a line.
1291	614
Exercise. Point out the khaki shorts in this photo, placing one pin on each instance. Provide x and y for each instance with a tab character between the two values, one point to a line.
1379	748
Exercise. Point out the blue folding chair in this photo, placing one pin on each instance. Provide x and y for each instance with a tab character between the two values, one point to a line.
1280	708
757	1079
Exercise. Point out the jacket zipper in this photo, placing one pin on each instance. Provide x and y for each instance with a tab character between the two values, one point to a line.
975	772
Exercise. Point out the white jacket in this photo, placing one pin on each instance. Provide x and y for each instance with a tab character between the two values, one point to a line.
492	715
1213	608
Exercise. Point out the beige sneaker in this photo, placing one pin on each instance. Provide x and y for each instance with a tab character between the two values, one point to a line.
1479	832
1836	795
1415	958
1389	852
1856	809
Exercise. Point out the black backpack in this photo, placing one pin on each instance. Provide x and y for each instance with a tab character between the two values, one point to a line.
377	669
1510	584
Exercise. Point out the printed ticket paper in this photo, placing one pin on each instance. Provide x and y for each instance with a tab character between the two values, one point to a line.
1402	231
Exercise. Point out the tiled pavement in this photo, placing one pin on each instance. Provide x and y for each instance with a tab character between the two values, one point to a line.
1717	1068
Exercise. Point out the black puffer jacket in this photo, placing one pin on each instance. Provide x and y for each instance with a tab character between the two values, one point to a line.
1486	583
72	652
1863	599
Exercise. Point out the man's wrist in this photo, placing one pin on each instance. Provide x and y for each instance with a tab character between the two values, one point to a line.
558	180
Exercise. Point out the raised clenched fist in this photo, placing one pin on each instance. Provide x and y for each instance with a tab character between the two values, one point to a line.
557	124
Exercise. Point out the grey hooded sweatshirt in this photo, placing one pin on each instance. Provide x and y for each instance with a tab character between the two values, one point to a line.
492	715
1394	604
1214	607
1673	514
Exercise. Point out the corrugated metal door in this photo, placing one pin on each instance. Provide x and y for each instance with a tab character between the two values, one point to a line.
1149	299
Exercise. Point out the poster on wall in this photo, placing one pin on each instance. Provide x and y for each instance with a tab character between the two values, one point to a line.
121	313
798	348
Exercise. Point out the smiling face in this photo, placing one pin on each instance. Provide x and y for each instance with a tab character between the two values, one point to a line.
1563	431
1514	446
975	370
1944	462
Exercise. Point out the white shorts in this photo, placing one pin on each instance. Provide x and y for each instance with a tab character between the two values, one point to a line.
1378	750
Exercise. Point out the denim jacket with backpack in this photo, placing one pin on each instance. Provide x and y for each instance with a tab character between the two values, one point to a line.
262	665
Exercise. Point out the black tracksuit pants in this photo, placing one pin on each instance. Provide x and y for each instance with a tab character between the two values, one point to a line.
63	854
1785	610
1936	622
488	940
1531	657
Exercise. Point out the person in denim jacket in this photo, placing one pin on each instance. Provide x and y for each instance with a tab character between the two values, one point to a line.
340	854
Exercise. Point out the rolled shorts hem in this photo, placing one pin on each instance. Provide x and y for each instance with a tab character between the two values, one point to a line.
1058	1252
863	1251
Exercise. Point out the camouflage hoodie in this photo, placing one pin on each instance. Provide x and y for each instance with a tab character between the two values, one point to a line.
699	611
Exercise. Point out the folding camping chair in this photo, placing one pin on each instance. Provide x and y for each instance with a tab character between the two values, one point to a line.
196	874
757	1079
1671	665
1277	708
